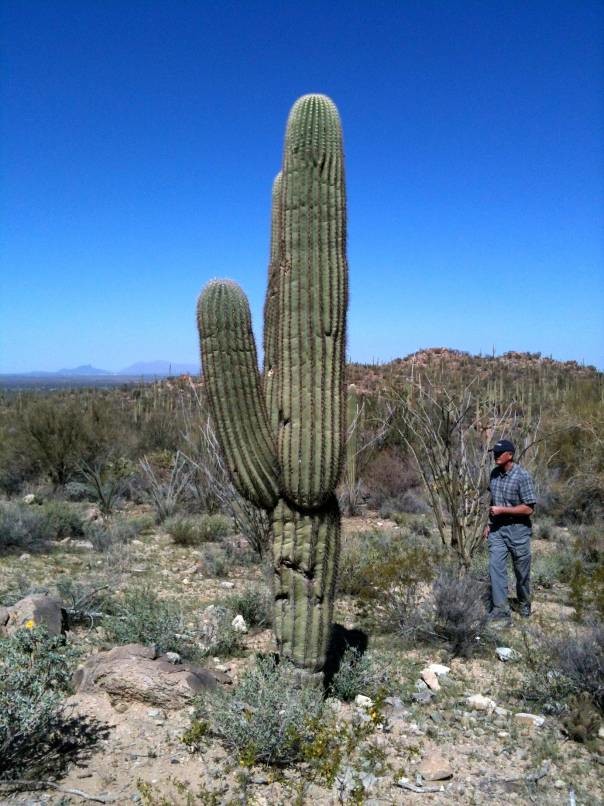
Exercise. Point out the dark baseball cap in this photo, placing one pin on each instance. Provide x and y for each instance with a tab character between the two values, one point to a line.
503	446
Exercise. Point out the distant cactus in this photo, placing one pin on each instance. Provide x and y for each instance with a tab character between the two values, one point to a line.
283	440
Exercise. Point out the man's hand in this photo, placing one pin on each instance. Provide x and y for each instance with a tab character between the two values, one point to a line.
494	511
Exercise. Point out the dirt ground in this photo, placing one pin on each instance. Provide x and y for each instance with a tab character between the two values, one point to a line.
492	757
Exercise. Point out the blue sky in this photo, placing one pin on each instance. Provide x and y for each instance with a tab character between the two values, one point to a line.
140	141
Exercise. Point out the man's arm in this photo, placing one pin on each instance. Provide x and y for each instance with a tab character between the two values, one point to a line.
519	509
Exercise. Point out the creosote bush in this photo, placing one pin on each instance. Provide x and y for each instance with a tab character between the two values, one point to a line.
141	617
267	718
460	609
193	530
254	604
359	673
565	666
38	737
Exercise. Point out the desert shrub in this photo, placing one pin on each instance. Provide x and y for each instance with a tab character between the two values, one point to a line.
104	535
142	618
460	609
267	718
254	604
193	530
416	524
64	519
38	737
23	526
358	673
388	477
105	482
547	569
60	433
582	720
166	479
387	573
560	667
586	589
214	561
589	545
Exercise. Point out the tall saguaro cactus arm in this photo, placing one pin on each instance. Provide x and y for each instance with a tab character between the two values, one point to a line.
313	297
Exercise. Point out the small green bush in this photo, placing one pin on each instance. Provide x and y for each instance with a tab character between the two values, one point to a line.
105	534
23	526
268	717
564	666
358	673
215	562
460	609
193	530
64	519
254	605
37	736
142	618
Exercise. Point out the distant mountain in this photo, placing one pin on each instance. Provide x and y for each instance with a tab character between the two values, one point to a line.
84	369
159	368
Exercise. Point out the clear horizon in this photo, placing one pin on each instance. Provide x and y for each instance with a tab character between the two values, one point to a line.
140	142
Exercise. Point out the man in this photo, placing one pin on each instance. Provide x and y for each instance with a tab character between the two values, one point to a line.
509	531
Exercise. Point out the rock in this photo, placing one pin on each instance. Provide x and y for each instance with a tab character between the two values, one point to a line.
420	685
82	544
430	679
422	697
30	498
362	701
559	784
506	653
600	731
435	768
238	624
501	711
438	669
24	556
227	585
530	719
173	657
479	703
134	672
37	609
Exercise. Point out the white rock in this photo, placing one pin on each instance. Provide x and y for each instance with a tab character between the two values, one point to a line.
601	733
559	784
362	701
227	585
24	556
479	703
430	679
238	624
173	657
438	669
506	653
530	719
30	498
501	711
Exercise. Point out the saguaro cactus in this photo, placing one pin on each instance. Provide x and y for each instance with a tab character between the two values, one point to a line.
283	439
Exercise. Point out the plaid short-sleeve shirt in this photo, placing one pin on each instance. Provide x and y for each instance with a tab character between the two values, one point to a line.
512	488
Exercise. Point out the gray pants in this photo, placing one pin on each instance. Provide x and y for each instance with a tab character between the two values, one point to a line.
514	540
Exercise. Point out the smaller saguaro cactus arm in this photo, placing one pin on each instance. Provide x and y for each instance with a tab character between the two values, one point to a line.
235	394
271	310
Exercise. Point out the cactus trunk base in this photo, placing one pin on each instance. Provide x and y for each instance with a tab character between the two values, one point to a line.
306	549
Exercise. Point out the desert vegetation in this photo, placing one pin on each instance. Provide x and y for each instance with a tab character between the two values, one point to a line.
177	555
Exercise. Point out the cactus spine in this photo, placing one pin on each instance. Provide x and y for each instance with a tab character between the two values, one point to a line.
283	440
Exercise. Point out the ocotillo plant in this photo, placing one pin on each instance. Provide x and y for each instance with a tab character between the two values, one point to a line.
283	439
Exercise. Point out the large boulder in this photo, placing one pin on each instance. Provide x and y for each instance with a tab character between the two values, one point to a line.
35	610
136	672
